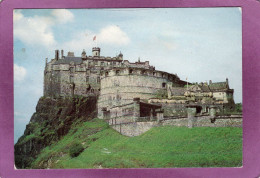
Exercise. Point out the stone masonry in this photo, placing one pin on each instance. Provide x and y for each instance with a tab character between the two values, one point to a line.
129	93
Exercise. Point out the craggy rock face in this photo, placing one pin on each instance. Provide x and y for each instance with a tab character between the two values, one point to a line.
51	121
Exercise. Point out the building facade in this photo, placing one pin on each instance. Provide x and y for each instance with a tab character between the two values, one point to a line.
119	84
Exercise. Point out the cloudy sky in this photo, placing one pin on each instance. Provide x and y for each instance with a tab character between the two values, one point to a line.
201	44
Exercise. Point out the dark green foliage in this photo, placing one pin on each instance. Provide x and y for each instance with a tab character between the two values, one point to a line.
239	107
52	120
161	94
76	149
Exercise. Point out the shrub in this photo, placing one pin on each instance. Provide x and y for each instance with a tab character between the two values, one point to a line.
161	94
239	107
75	149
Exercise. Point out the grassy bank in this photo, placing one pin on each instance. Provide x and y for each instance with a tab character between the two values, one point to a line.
159	147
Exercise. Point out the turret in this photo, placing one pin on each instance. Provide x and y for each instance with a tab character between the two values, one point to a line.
120	56
83	54
96	52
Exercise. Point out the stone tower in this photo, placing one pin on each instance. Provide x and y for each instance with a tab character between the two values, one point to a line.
96	52
120	56
83	54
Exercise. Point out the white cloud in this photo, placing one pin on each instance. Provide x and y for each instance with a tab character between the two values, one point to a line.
37	30
110	35
81	40
19	73
33	30
113	35
62	15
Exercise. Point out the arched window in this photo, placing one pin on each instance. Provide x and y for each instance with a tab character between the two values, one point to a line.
117	72
130	71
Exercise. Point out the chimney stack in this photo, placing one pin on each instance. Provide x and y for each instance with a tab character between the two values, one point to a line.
62	54
56	54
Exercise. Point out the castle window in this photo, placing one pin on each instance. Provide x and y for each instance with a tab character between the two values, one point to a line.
131	71
163	85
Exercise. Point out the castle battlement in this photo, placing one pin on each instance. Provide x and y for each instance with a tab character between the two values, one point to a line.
119	71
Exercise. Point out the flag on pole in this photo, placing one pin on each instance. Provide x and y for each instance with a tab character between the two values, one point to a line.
94	38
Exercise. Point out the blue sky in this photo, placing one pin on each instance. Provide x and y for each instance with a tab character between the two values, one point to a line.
201	44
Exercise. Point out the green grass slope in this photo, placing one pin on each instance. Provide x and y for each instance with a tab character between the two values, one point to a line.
164	146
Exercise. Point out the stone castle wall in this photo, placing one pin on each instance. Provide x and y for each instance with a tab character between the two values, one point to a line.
134	129
119	86
138	128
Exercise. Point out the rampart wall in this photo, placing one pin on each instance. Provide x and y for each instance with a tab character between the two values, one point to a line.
119	86
138	128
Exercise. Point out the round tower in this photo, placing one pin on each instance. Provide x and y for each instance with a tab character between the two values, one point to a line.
96	52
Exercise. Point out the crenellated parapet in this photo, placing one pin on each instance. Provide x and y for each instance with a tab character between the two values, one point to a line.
121	71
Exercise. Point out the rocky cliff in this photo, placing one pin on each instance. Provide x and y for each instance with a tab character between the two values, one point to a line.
51	121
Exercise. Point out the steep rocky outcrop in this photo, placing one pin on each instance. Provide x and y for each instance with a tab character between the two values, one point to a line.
51	121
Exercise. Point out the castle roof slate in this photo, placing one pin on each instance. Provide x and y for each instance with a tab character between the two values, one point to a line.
68	60
218	86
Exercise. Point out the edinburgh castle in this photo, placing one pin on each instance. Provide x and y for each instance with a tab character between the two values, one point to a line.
133	93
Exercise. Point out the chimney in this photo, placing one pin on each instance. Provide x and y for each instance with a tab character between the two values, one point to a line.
62	54
56	54
226	80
